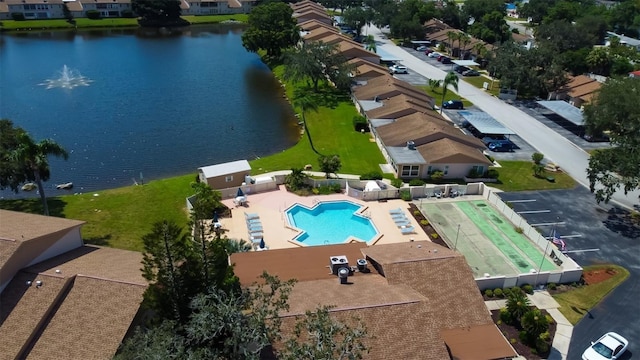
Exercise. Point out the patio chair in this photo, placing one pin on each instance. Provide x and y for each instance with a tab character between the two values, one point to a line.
398	216
256	234
408	230
251	216
403	224
438	194
255	227
396	211
253	221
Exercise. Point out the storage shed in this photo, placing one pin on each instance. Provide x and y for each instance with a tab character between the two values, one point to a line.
225	175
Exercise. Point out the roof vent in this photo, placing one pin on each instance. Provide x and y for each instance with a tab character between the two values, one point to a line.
38	283
337	262
28	282
411	145
58	271
362	265
343	274
376	99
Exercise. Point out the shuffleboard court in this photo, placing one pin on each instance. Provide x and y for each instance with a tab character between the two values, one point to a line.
487	248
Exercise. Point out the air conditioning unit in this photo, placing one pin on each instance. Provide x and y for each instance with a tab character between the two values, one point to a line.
337	262
362	265
343	275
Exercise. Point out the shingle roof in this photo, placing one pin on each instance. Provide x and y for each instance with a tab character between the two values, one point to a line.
314	24
397	106
384	87
305	3
320	32
582	87
447	151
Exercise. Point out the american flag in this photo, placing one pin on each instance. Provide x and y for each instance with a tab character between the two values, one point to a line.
556	239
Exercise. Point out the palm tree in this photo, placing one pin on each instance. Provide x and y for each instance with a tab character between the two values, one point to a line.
306	102
236	246
451	36
370	43
33	156
465	40
450	79
434	84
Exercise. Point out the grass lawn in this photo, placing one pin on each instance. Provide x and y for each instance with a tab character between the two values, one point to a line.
478	82
518	176
437	95
119	217
63	24
576	303
332	132
213	19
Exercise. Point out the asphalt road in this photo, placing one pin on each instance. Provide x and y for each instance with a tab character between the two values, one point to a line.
585	225
555	147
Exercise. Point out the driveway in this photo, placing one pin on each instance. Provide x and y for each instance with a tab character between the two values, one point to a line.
555	147
586	226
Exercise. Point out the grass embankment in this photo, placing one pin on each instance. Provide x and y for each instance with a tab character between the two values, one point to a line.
437	95
84	23
478	81
575	304
332	132
518	176
119	217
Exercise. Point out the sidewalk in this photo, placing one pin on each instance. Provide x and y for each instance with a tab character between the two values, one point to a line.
564	329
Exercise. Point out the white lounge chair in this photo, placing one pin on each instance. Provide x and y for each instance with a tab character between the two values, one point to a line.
257	227
253	221
403	224
438	194
256	234
398	216
251	215
396	211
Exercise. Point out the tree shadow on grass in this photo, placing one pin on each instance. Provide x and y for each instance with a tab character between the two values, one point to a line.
34	206
325	96
102	240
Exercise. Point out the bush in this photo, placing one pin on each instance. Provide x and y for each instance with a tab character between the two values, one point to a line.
488	293
552	286
434	235
424	222
545	336
93	14
518	229
127	14
17	16
416	182
498	292
405	195
416	213
473	174
493	174
527	288
542	346
437	175
397	183
505	316
360	123
374	175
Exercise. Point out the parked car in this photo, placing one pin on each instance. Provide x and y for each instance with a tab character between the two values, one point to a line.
428	51
610	346
471	72
460	69
421	48
453	104
435	54
445	60
439	58
493	138
501	146
398	69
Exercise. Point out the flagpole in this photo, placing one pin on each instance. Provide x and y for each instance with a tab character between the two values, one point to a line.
553	232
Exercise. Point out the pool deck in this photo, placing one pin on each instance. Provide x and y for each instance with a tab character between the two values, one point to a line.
270	207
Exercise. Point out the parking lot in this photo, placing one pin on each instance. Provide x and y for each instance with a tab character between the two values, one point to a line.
593	234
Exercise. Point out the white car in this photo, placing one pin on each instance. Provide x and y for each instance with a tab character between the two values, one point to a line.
398	69
610	346
434	54
421	48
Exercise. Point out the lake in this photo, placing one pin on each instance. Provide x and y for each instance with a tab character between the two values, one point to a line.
145	104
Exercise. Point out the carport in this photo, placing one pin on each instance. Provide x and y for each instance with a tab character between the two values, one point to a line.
565	110
465	62
485	124
386	57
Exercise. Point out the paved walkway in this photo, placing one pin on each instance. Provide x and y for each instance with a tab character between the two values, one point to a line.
555	147
564	329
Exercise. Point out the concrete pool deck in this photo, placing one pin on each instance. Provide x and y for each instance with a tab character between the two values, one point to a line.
270	207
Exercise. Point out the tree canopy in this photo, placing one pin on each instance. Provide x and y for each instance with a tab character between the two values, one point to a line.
616	112
271	28
157	13
315	61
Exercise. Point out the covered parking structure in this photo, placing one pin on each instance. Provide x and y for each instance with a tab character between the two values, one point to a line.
569	117
484	124
465	63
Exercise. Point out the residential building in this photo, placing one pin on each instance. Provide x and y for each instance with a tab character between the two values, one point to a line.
417	300
61	299
579	91
225	175
624	40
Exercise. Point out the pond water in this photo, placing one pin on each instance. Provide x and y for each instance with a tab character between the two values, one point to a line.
128	103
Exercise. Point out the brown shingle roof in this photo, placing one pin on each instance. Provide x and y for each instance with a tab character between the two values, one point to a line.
305	3
477	342
314	24
384	87
447	151
311	12
582	87
369	70
320	33
398	106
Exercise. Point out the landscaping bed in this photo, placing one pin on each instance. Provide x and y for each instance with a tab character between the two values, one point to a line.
512	334
426	226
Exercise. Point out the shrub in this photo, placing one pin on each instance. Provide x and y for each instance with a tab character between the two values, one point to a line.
473	174
519	230
360	123
335	187
542	346
493	174
545	336
405	195
552	286
434	235
524	336
513	340
127	14
397	183
517	303
17	16
505	316
424	222
488	293
374	175
416	213
93	14
498	292
527	288
315	191
416	182
437	175
534	323
509	204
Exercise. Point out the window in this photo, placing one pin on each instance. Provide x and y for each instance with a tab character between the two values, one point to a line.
479	169
410	170
228	178
446	169
430	170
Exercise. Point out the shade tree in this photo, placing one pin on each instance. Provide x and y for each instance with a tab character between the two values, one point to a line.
271	28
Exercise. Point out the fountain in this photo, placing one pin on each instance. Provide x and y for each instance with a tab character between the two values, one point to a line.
68	79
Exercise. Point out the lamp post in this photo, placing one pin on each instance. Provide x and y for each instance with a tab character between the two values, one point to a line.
455	246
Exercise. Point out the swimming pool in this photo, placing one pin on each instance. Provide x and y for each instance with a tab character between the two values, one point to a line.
330	222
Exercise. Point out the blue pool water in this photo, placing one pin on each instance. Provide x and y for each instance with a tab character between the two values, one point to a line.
330	223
